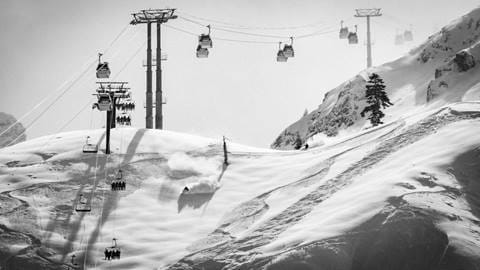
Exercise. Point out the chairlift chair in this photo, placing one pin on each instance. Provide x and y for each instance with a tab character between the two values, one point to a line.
82	205
118	182
114	250
202	52
353	37
103	71
124	119
281	54
204	40
104	102
288	49
343	31
90	147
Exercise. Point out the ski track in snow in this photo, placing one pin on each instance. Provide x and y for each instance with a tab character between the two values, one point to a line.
234	252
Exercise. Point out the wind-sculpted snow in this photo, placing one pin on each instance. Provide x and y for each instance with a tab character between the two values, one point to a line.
316	209
235	253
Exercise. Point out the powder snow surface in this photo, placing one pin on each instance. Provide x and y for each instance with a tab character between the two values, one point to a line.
156	224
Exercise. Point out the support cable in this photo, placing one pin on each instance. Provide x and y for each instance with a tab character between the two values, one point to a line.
238	26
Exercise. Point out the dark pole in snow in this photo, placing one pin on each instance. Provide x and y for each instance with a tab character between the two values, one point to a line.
225	153
114	111
107	137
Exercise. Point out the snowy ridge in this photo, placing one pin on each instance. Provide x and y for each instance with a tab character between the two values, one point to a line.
442	70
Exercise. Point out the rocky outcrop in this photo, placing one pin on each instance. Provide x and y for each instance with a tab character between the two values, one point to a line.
16	134
340	109
464	61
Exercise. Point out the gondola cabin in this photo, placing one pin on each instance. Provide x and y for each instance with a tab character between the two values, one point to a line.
353	37
103	71
343	34
399	39
281	57
205	41
288	51
202	52
104	102
408	35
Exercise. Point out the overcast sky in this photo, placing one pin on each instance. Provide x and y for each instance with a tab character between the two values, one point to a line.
240	91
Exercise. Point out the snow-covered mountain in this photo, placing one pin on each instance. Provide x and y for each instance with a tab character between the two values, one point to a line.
403	195
443	70
6	120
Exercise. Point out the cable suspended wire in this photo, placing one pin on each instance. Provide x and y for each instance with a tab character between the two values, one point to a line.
238	26
130	59
42	101
92	99
53	103
398	22
218	38
233	31
62	85
117	38
251	41
248	33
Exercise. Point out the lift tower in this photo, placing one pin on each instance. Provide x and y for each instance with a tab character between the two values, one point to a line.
367	13
148	17
114	91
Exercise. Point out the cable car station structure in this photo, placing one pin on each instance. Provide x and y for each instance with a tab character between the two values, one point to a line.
148	17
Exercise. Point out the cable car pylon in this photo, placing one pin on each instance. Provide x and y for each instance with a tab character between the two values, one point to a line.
148	17
367	13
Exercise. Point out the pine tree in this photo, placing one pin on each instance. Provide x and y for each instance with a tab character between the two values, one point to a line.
298	141
305	113
377	99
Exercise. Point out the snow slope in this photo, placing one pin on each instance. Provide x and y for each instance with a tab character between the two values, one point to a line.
403	195
265	210
442	70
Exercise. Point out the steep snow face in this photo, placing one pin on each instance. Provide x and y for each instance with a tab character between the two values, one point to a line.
444	69
404	195
6	120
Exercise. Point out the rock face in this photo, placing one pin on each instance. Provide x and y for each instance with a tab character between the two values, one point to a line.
342	111
444	68
464	61
6	120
